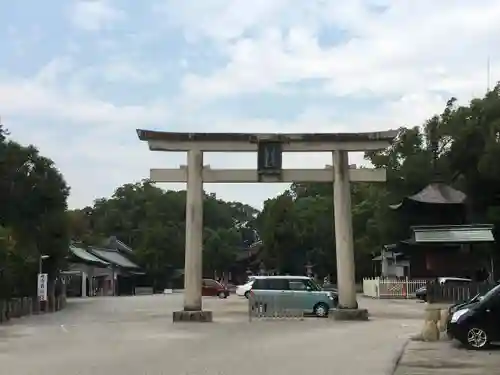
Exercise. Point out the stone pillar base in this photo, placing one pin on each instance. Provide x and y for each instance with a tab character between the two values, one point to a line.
350	314
193	316
431	329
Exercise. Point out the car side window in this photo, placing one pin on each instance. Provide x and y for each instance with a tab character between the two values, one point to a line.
297	285
278	284
210	283
309	284
260	284
270	284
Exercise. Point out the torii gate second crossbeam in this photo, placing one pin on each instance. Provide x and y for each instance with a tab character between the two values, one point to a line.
269	148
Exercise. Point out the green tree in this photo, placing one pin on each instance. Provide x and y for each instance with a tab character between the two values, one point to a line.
459	146
33	206
152	222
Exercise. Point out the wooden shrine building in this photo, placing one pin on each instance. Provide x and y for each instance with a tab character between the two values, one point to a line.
440	241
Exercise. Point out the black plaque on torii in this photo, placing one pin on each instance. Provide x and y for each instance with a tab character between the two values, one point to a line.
269	158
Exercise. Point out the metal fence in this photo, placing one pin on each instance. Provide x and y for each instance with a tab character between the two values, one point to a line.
449	293
272	307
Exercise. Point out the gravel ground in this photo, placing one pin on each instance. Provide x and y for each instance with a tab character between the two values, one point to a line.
135	335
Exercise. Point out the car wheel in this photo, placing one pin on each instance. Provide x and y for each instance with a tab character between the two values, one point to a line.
247	295
477	338
222	295
321	310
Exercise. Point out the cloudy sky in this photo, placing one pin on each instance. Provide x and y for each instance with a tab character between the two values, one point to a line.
78	77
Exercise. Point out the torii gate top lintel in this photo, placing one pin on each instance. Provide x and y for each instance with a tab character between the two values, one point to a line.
174	141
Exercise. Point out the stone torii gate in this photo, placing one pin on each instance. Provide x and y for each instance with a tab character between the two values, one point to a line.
269	148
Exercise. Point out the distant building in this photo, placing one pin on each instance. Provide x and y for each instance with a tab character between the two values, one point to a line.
104	271
442	240
391	264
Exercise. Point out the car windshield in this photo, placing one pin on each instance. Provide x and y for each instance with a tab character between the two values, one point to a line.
492	292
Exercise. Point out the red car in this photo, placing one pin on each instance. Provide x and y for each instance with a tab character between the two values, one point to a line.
214	288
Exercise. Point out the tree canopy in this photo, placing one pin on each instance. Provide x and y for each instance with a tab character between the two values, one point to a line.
459	146
152	221
33	206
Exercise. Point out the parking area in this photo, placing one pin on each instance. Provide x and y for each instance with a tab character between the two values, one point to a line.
135	335
446	358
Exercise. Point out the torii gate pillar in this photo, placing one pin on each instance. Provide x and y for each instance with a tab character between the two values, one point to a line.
269	148
344	242
194	232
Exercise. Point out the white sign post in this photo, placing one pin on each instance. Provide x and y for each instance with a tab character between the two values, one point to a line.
42	287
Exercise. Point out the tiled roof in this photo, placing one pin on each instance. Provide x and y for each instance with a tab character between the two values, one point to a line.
114	257
435	193
116	244
86	256
439	193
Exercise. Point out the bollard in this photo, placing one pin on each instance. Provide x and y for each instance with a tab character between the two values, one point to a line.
17	308
443	319
26	306
12	309
35	306
8	310
2	311
29	306
22	307
430	331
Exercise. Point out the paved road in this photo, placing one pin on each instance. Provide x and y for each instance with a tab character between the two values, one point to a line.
135	335
445	358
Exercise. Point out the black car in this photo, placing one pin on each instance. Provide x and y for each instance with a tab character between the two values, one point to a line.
421	293
462	305
476	324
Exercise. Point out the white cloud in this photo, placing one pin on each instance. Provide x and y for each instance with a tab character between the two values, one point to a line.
93	15
29	97
57	91
219	19
411	58
408	48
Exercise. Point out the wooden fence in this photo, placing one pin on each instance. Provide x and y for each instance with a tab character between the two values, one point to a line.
449	293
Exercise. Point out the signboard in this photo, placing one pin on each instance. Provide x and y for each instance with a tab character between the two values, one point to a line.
42	287
269	157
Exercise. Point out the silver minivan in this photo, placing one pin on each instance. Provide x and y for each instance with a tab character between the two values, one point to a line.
299	293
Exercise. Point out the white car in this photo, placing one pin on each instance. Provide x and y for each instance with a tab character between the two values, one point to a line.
244	290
